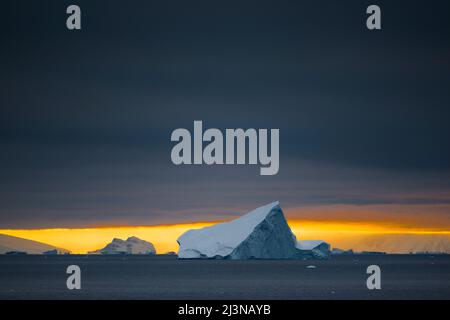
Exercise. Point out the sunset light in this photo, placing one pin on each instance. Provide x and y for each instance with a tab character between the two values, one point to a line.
80	241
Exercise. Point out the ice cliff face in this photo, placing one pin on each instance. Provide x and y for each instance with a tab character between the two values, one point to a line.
132	245
260	234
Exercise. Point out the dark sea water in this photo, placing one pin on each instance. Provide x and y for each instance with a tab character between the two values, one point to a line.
166	277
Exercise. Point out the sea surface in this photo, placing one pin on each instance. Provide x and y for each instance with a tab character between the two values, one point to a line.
166	277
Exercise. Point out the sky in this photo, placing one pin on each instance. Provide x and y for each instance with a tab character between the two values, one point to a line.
86	116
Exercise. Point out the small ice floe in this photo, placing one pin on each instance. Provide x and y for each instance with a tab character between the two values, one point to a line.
311	267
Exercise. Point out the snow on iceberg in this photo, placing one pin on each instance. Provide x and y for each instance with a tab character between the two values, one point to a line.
313	249
260	234
132	245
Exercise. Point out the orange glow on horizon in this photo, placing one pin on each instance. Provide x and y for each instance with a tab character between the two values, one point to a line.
83	240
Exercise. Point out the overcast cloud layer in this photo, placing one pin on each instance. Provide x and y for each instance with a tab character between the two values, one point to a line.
86	117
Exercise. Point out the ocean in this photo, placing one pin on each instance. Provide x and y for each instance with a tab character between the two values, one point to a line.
166	277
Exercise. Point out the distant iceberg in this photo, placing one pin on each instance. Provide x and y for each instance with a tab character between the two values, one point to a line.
132	245
10	244
260	234
50	252
313	249
337	251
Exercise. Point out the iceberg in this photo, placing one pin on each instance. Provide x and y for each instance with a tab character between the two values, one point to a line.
51	252
132	245
337	251
260	234
14	244
313	249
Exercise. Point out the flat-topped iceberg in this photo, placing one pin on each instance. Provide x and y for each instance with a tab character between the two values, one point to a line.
260	234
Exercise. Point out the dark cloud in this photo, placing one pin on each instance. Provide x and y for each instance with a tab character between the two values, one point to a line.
86	116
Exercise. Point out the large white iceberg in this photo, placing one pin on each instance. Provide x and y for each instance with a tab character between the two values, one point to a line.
260	234
132	245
